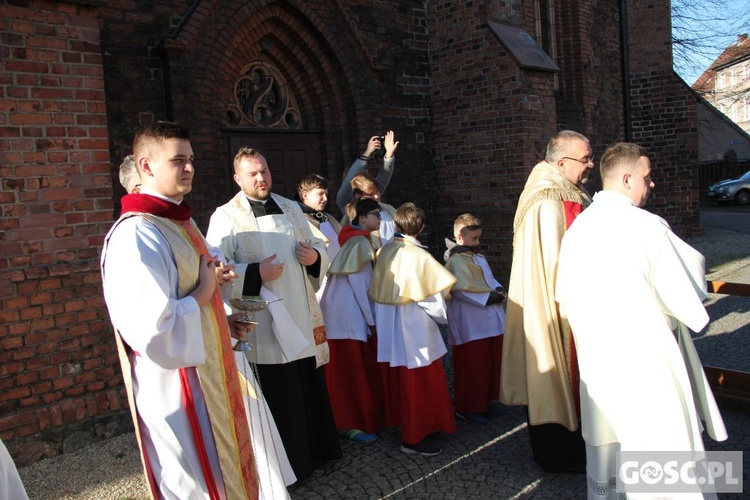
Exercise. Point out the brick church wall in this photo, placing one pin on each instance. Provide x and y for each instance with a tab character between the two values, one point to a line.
371	77
664	117
78	78
492	119
58	364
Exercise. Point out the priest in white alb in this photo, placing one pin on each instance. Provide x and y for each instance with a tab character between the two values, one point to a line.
173	337
642	384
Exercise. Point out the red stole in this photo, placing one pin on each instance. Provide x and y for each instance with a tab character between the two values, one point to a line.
573	210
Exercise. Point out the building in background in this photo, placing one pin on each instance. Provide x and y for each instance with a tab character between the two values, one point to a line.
726	82
473	91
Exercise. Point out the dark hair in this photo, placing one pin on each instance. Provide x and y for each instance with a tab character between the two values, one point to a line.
365	206
310	182
246	152
409	219
155	133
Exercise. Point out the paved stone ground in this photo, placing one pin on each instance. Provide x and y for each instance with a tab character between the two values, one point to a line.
479	461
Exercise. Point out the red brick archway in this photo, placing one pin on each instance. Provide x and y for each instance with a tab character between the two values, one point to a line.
213	48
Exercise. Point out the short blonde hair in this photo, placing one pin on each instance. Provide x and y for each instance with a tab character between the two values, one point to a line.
409	219
467	222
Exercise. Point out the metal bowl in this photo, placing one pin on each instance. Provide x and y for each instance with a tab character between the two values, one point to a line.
249	305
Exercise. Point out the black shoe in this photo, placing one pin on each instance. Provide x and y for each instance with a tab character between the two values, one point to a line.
571	468
424	448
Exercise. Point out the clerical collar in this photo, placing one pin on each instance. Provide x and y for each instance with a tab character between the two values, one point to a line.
161	196
255	202
261	208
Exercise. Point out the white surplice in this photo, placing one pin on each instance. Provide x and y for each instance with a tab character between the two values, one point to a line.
328	233
408	334
272	463
638	367
469	318
347	309
177	343
245	239
332	245
387	228
11	487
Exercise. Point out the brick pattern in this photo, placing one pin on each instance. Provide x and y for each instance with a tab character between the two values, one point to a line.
664	117
132	33
471	125
491	119
58	365
349	86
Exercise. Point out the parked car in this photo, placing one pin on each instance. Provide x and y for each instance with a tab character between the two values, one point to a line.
737	190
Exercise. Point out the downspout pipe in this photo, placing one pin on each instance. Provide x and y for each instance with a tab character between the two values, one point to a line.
624	58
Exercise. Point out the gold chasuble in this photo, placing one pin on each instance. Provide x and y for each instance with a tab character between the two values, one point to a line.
539	367
412	274
469	276
220	383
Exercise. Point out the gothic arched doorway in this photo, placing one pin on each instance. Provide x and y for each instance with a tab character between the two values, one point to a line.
265	116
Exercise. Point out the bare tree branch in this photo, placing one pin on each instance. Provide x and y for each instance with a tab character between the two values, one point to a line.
702	29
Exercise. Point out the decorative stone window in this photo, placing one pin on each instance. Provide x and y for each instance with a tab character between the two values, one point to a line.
263	99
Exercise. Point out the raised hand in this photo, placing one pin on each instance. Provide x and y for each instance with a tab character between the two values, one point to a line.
372	145
390	144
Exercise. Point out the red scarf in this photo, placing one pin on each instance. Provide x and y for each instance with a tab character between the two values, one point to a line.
349	232
145	203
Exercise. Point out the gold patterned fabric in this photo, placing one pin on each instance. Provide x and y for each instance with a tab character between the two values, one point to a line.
249	247
538	363
469	276
354	254
395	283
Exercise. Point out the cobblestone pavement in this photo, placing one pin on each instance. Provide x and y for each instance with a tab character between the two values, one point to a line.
479	461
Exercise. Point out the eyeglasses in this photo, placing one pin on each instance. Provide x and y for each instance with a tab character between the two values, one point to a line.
376	213
585	160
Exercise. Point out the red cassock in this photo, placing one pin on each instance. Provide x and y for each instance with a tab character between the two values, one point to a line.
476	373
355	385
